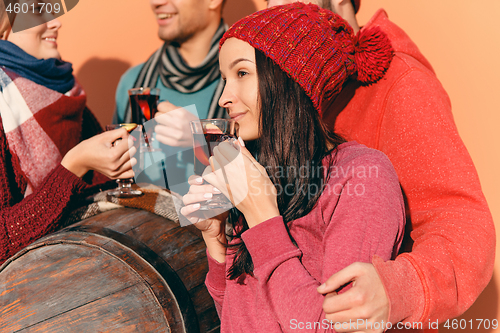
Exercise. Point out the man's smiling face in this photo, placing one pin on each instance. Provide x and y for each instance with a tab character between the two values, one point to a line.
180	20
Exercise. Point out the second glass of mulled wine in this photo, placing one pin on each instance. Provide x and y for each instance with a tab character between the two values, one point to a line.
144	104
207	134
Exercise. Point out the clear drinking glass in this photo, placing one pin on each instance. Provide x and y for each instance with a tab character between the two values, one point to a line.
124	189
144	105
207	134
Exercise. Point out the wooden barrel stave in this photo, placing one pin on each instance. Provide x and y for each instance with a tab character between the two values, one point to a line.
175	245
205	309
45	309
182	249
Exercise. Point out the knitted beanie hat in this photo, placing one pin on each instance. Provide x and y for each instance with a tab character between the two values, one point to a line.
315	47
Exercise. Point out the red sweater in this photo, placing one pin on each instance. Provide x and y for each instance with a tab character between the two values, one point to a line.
408	116
23	220
360	214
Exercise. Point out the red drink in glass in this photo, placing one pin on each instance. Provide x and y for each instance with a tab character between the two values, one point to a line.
144	104
208	134
203	148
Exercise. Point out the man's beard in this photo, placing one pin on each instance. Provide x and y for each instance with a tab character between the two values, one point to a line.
178	37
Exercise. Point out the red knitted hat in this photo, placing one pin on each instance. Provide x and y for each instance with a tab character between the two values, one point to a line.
315	47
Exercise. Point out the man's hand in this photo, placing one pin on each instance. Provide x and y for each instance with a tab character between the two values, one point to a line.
173	127
366	302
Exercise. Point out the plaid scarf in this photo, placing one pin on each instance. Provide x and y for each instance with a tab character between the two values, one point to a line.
155	200
167	64
41	125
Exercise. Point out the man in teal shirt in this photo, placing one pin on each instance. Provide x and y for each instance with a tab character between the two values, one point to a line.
186	70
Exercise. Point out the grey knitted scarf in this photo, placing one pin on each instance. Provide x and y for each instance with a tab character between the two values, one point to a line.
167	64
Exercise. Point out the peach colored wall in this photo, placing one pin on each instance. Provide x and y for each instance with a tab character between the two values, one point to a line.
460	38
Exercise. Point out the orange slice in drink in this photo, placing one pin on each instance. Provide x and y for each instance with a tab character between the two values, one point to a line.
212	129
201	155
143	104
129	127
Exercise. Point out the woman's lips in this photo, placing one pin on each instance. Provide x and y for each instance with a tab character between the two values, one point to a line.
52	40
238	116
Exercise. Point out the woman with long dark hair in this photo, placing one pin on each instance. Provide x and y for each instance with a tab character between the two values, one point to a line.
309	203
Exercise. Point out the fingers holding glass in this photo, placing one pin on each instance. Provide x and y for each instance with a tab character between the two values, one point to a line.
208	134
124	189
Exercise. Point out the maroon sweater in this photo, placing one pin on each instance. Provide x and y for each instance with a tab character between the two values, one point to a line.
360	214
23	220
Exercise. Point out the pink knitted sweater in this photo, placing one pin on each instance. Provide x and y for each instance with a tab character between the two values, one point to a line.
360	214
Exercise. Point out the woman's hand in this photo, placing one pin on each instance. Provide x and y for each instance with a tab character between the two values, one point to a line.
173	127
211	223
244	181
109	153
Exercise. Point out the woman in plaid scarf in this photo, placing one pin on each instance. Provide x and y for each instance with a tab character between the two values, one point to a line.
49	141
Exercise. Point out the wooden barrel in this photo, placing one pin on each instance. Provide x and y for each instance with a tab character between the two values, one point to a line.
125	270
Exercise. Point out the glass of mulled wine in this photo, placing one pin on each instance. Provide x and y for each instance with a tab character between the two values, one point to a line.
124	189
207	134
144	104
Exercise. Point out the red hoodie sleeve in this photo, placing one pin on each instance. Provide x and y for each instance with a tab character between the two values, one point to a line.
357	227
451	221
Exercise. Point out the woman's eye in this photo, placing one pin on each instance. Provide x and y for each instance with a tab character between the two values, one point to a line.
242	73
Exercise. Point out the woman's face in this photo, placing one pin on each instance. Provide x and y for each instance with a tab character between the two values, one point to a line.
240	95
41	40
